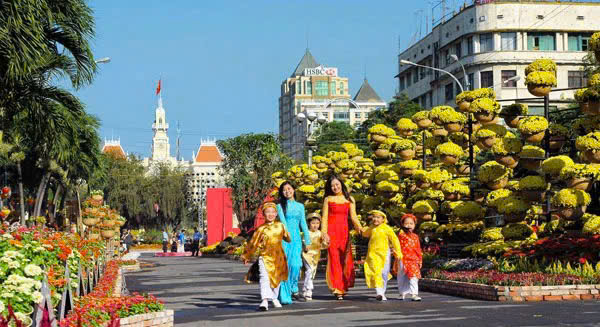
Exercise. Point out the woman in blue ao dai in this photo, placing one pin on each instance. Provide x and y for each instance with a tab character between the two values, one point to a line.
295	220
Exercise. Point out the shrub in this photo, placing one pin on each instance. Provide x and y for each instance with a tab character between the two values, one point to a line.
449	149
541	65
541	78
553	165
571	198
492	171
533	125
486	105
533	183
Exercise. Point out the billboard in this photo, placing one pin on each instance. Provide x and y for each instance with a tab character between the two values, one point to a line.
321	71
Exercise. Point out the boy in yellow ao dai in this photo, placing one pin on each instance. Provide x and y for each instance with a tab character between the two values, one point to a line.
383	242
266	242
312	253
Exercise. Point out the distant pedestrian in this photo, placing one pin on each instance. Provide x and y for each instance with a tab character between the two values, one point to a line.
181	242
174	242
196	242
165	240
127	240
409	268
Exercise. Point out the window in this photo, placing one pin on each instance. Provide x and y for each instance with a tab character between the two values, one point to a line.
308	87
416	75
408	79
487	79
458	49
321	88
486	42
471	79
332	86
357	115
299	87
579	41
341	88
541	42
446	57
577	78
402	85
449	91
470	50
461	81
341	116
509	41
506	75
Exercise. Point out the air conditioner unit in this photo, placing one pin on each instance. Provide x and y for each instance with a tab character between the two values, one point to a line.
482	18
540	16
500	16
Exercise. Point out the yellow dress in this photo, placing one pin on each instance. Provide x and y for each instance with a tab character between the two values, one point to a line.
379	244
266	243
313	251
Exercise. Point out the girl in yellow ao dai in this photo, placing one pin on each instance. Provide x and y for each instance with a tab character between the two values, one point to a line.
383	242
272	263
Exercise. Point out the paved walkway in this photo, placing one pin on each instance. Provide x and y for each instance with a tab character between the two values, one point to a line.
211	292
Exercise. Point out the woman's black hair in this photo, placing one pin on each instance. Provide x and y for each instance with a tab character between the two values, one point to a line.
282	198
329	192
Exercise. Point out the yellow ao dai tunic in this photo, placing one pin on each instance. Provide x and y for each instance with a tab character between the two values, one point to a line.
379	245
266	243
313	251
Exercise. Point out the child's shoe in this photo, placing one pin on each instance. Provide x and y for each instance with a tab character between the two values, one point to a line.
415	297
308	295
276	303
264	305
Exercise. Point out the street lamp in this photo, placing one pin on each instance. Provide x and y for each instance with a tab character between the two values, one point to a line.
514	78
311	116
406	62
455	57
104	60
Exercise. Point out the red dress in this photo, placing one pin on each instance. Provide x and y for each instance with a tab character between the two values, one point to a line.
340	265
412	258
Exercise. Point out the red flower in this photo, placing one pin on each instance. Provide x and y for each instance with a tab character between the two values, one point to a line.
582	260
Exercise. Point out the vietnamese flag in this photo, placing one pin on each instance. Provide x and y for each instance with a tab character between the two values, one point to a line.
158	88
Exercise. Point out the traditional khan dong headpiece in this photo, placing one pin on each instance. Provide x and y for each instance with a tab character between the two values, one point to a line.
379	213
313	216
269	205
407	216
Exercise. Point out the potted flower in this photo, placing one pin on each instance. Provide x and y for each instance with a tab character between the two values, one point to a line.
421	179
421	118
435	112
406	168
594	44
467	211
97	195
485	110
453	121
507	151
553	165
438	130
592	98
387	188
463	100
571	203
449	153
558	135
533	128
540	83
437	176
512	114
424	210
406	127
460	138
580	176
531	157
518	231
590	146
455	190
582	100
405	148
494	175
488	134
513	208
383	149
533	188
379	133
494	198
492	234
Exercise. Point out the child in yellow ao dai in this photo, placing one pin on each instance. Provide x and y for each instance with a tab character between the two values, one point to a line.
382	244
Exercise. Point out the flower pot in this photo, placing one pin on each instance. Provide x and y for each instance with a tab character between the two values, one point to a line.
530	164
539	90
407	172
592	156
534	138
571	213
480	196
378	138
405	132
485	117
357	158
437	121
452	196
556	143
90	221
534	195
497	184
453	127
382	153
439	132
581	183
423	185
424	216
448	159
476	126
107	233
436	186
97	197
94	236
584	107
597	55
424	123
486	142
108	223
407	154
512	121
464	106
464	170
412	188
510	161
514	217
321	165
594	108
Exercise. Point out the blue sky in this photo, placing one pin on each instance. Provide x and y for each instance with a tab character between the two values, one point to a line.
222	62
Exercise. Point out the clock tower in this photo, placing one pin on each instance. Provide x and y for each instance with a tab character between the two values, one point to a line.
160	141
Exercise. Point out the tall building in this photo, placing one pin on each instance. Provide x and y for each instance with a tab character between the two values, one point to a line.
113	148
495	41
318	89
161	148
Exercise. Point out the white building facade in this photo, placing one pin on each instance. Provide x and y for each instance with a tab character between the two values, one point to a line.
495	41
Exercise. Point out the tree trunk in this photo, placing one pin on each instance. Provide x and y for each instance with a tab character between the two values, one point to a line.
52	215
40	195
21	194
79	220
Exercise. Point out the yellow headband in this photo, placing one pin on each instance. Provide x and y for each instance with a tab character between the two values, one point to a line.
269	205
378	212
313	215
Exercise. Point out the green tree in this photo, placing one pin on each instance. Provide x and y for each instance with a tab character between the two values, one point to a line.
249	160
401	107
330	137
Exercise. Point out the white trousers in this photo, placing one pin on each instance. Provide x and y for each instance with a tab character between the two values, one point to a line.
266	292
180	248
308	279
406	285
384	274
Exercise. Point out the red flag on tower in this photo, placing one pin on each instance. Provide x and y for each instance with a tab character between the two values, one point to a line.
158	88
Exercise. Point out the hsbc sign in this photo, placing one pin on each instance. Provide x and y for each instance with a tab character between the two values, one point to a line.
321	71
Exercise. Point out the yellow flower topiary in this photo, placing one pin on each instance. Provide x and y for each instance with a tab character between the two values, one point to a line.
592	225
594	80
437	175
507	146
517	231
381	129
515	109
588	142
558	130
387	175
541	78
492	130
581	171
492	234
420	116
494	198
337	156
424	206
541	65
492	171
403	144
455	186
485	105
406	124
449	149
436	111
553	165
594	42
571	198
533	183
386	186
410	164
464	96
532	151
468	210
533	125
349	146
451	116
485	92
513	205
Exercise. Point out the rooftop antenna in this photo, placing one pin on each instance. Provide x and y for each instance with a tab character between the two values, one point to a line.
365	72
178	142
307	35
